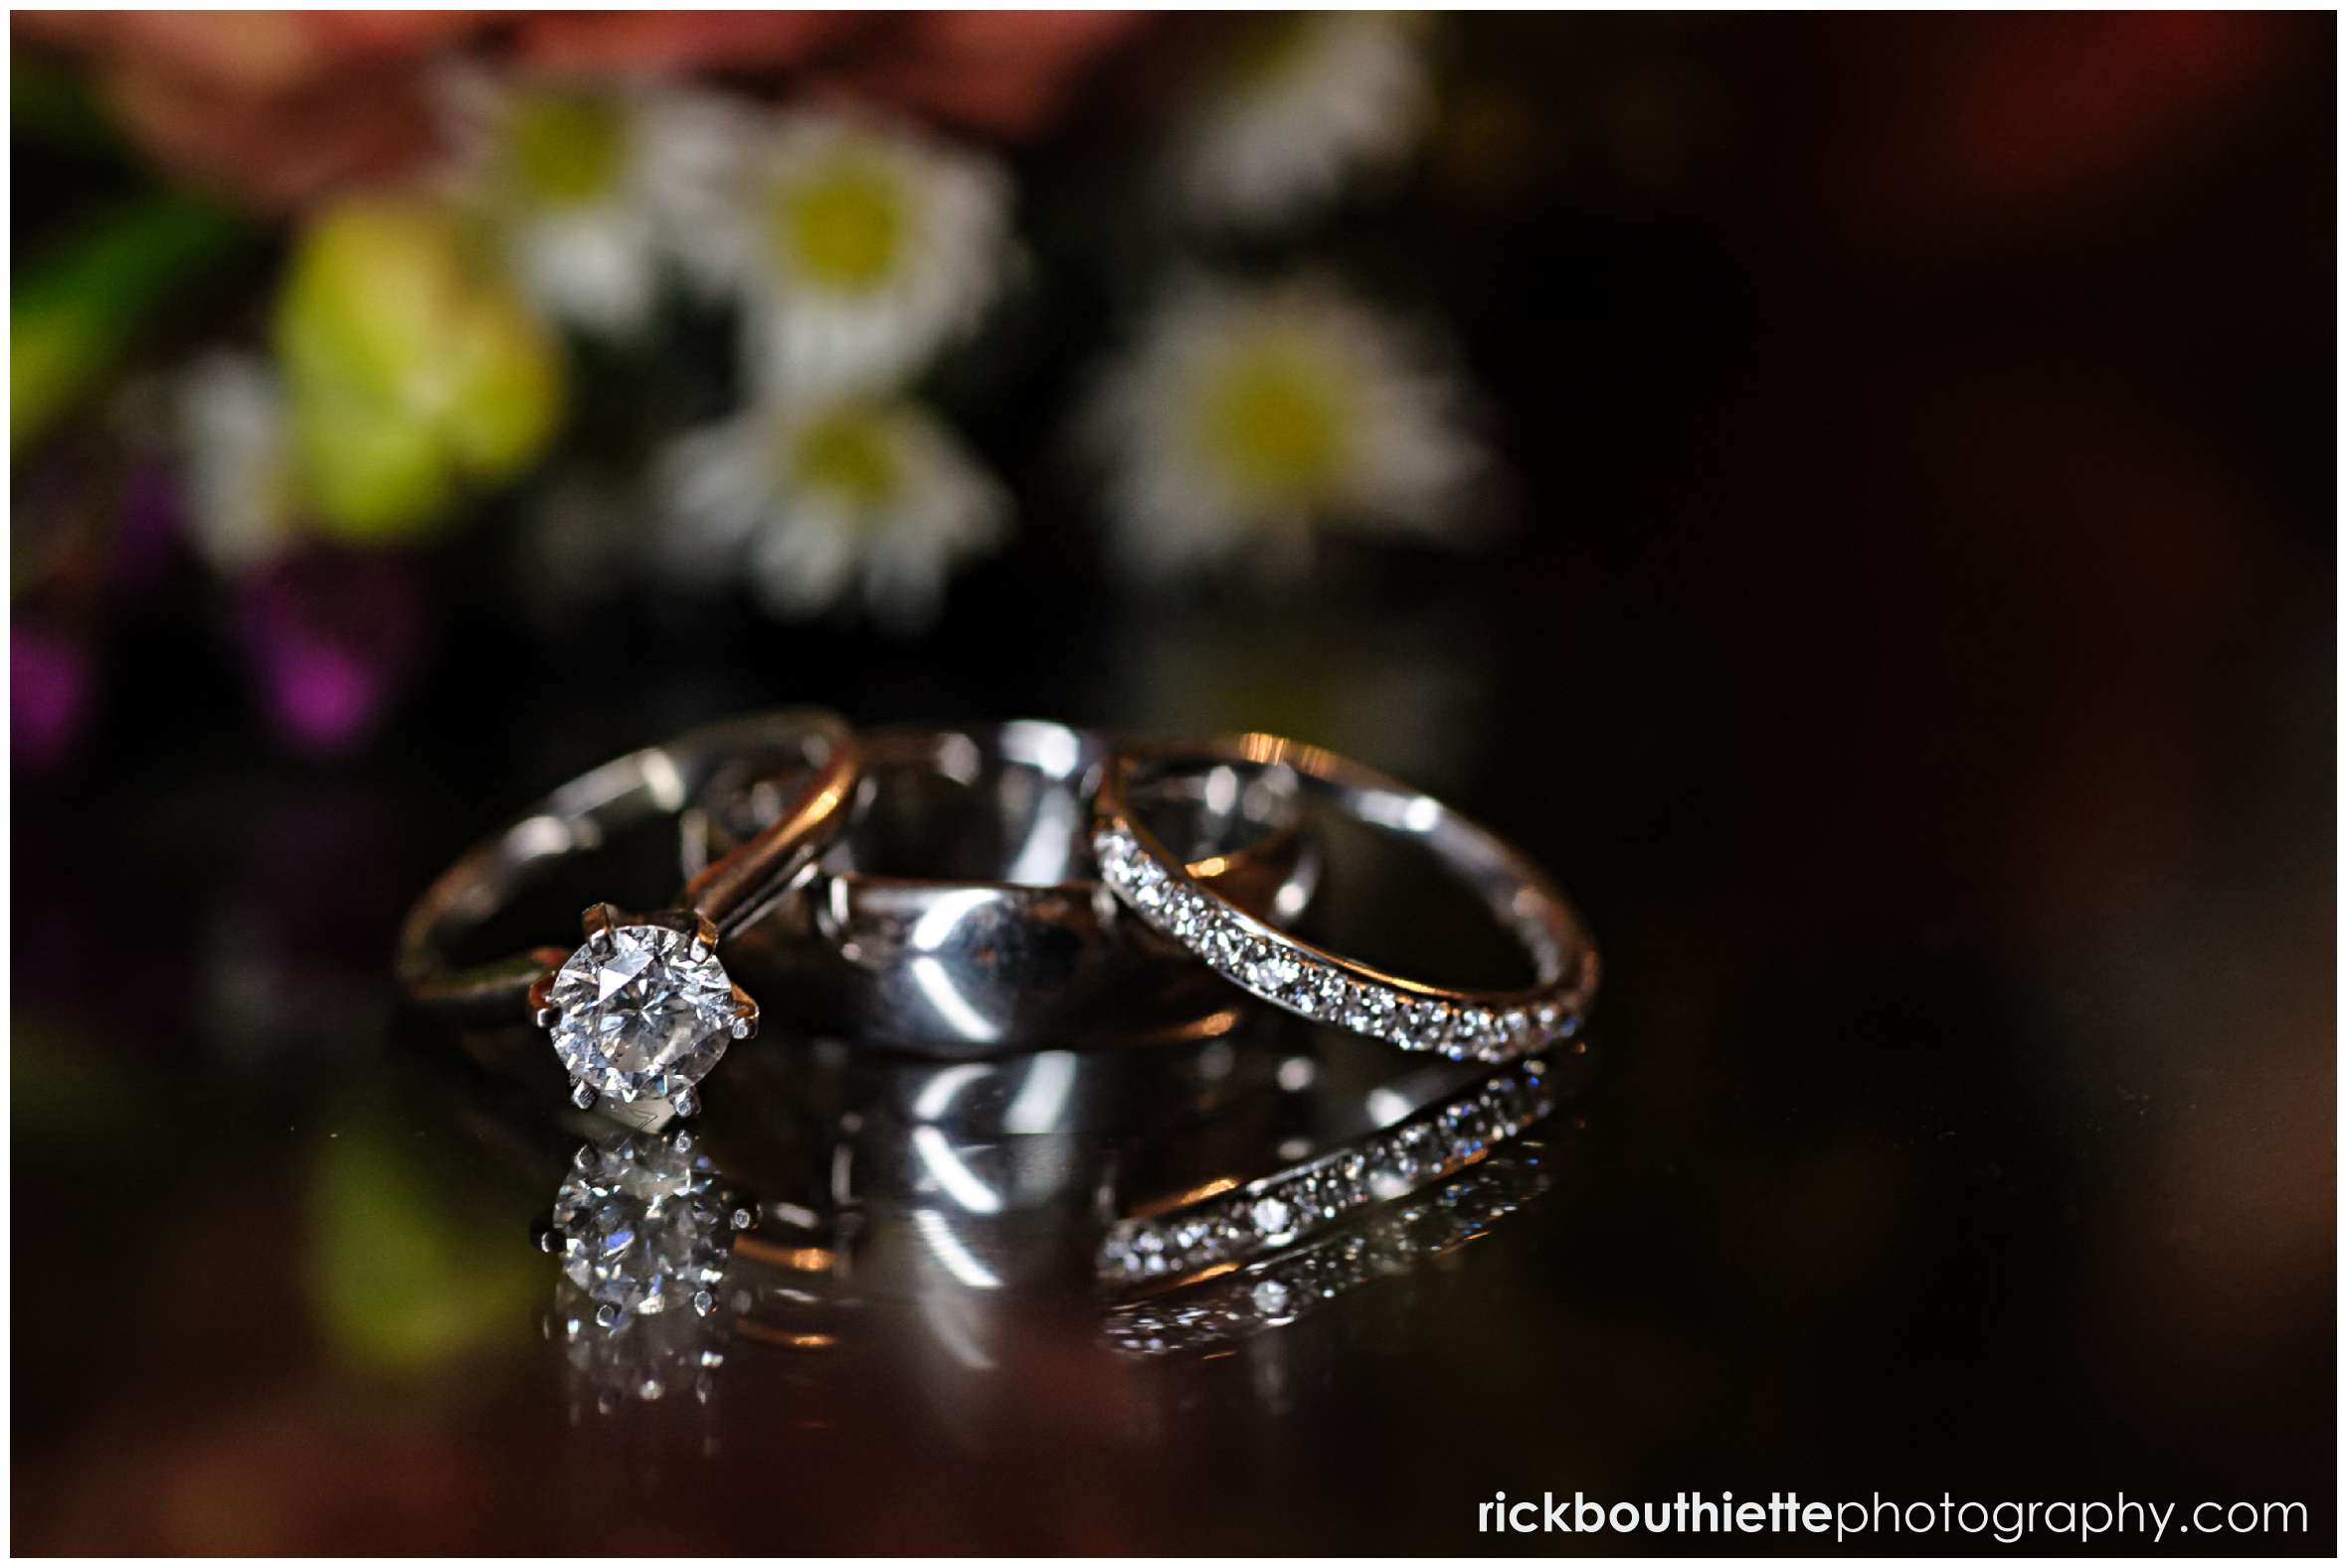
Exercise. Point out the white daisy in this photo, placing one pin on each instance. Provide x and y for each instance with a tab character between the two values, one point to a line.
1305	105
871	499
1245	417
859	250
585	186
244	493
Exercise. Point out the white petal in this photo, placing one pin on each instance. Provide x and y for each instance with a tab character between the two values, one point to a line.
242	493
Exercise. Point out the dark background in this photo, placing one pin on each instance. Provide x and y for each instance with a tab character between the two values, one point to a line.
1914	651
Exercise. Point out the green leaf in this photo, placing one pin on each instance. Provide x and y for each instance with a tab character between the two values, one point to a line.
76	310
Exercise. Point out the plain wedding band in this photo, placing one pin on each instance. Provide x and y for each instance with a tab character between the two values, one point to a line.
1029	953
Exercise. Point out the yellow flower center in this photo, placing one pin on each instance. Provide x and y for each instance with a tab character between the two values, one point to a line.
845	228
848	453
566	149
1275	423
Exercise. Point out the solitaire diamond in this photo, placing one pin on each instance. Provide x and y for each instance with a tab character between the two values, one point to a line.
641	1014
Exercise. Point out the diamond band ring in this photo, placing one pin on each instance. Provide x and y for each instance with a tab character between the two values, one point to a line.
644	1007
959	912
1313	983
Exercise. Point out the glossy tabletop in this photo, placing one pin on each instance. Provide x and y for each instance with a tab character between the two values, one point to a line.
1914	657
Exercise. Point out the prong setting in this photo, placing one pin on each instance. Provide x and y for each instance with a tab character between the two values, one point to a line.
543	1012
599	921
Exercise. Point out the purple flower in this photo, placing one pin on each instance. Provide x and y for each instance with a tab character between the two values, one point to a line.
48	689
330	635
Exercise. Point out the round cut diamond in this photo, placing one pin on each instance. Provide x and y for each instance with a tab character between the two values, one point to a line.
1274	971
1274	1219
644	1016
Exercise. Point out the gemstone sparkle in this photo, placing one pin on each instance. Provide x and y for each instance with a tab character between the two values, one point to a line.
645	1016
1267	964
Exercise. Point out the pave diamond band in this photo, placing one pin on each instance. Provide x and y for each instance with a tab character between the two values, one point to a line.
1252	954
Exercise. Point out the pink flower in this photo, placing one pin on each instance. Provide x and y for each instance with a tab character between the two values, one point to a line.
330	637
281	107
48	690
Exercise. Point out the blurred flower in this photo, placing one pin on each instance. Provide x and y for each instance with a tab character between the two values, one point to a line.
1248	416
47	695
282	107
244	492
330	636
277	106
855	498
861	249
415	372
1307	104
582	187
1003	73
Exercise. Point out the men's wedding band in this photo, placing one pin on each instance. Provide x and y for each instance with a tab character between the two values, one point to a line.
1019	949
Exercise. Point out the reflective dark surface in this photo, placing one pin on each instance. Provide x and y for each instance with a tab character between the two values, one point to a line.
1914	657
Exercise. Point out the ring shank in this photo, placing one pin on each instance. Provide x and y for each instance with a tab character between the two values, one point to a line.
1519	893
658	782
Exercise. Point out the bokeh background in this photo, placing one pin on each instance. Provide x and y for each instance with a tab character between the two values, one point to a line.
1855	495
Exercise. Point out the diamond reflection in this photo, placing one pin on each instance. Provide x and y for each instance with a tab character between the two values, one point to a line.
933	1208
643	1228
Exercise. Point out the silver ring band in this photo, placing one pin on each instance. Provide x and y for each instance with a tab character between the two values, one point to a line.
1024	952
1313	983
